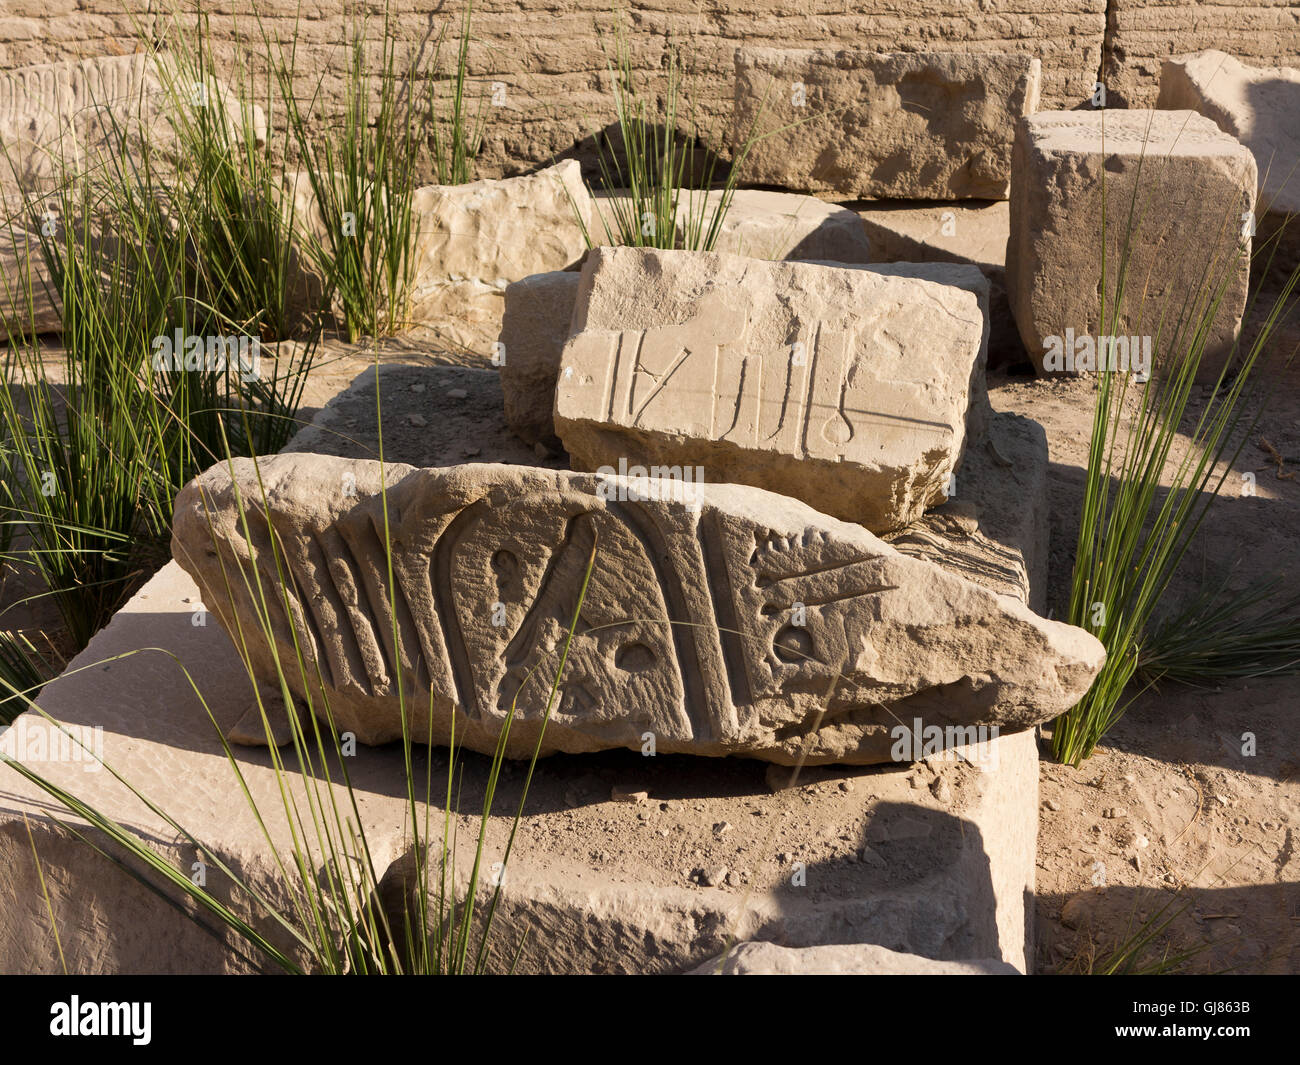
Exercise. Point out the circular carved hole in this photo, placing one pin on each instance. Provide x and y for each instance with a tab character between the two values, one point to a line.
793	645
634	657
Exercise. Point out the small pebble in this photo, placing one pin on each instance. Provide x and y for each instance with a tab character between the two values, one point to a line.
621	794
713	875
1052	805
417	420
456	393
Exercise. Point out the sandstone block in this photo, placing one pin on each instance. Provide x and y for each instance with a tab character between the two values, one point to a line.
760	223
1259	106
918	125
716	623
475	239
848	388
850	959
534	328
58	120
958	231
1177	191
55	116
764	224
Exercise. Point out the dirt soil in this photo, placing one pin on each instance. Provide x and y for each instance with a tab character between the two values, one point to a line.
1169	816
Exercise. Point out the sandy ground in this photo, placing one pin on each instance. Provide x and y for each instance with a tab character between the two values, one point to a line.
1170	816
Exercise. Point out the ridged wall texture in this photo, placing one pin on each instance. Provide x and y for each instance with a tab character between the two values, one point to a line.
548	53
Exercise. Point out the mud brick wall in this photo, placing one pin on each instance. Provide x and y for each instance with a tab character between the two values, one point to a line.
1140	33
548	54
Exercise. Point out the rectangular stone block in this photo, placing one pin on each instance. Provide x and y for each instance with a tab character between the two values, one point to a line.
847	388
534	328
918	125
967	231
475	239
1178	191
1260	106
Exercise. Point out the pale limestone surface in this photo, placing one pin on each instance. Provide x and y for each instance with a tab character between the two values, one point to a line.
1260	106
1178	190
475	239
850	959
846	387
489	561
534	328
918	125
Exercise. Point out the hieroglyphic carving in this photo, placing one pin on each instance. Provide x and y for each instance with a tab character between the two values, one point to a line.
732	629
846	388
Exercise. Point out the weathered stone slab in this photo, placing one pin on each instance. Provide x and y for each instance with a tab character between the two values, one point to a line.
967	231
915	125
1259	106
475	239
1192	184
490	560
942	879
956	892
786	225
848	388
534	328
759	223
472	241
856	959
57	116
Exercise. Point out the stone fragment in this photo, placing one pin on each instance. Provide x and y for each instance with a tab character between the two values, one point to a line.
534	327
1177	191
60	116
848	388
911	125
850	959
472	241
1260	106
759	223
475	239
764	224
970	232
776	608
635	796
